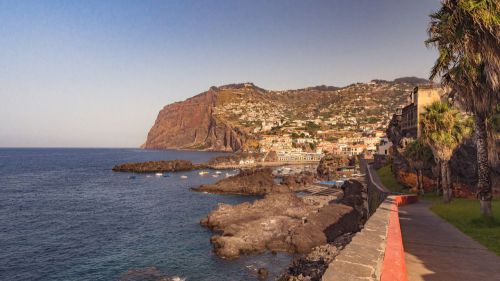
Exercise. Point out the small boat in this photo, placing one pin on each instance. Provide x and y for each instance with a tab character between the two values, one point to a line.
218	172
202	173
184	177
215	176
159	174
131	177
166	175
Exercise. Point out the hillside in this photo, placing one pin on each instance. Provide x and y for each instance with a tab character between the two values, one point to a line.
228	118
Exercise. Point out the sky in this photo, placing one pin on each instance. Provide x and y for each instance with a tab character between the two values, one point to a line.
95	73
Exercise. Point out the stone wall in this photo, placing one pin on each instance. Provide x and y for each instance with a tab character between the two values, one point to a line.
376	252
363	258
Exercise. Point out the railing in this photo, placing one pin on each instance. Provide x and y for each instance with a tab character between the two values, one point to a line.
376	193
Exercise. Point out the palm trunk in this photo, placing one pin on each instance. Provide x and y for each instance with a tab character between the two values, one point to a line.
417	173
484	192
439	186
420	176
444	181
449	182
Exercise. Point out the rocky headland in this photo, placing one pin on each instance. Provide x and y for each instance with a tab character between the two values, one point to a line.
281	222
223	118
158	166
259	181
192	124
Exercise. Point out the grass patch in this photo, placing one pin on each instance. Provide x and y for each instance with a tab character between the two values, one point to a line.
465	215
388	180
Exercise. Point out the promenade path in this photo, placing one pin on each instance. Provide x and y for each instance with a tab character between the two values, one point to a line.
437	251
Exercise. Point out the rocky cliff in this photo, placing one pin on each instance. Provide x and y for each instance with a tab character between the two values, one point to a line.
229	117
192	125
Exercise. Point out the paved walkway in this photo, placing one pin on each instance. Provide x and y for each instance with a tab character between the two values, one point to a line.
437	251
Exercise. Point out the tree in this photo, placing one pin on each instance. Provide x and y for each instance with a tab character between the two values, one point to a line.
419	155
467	36
443	129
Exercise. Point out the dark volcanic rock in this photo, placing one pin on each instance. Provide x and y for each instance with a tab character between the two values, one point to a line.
257	227
313	265
298	180
157	166
325	226
327	168
354	195
262	273
279	222
247	182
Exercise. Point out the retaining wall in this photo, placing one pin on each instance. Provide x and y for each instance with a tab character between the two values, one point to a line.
376	252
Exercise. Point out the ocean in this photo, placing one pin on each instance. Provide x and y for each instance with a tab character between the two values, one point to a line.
64	215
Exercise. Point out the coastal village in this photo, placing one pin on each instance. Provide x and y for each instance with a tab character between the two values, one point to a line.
300	134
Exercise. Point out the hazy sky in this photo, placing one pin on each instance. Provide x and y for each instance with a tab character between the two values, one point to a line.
96	73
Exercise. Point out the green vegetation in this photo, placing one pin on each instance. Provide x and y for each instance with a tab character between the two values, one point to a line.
443	129
419	155
389	181
465	33
312	128
465	215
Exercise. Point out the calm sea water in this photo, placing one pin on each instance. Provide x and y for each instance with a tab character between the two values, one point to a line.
64	215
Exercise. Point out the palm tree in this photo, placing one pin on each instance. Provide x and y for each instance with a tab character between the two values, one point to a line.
419	155
443	129
467	36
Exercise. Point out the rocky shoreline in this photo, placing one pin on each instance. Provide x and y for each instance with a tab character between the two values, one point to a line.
158	166
315	227
312	266
247	182
285	222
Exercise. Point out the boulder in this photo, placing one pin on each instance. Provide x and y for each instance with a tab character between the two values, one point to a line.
328	166
279	222
301	179
262	273
354	195
330	222
248	182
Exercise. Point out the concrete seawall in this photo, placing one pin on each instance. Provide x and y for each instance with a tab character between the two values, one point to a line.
376	252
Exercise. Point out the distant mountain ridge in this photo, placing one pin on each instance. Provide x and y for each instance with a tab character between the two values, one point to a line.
225	118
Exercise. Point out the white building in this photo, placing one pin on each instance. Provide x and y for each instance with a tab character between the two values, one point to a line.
384	146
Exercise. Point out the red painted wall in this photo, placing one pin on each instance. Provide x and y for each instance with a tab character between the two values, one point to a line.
394	266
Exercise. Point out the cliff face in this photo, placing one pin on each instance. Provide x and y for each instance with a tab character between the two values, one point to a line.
228	118
192	125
